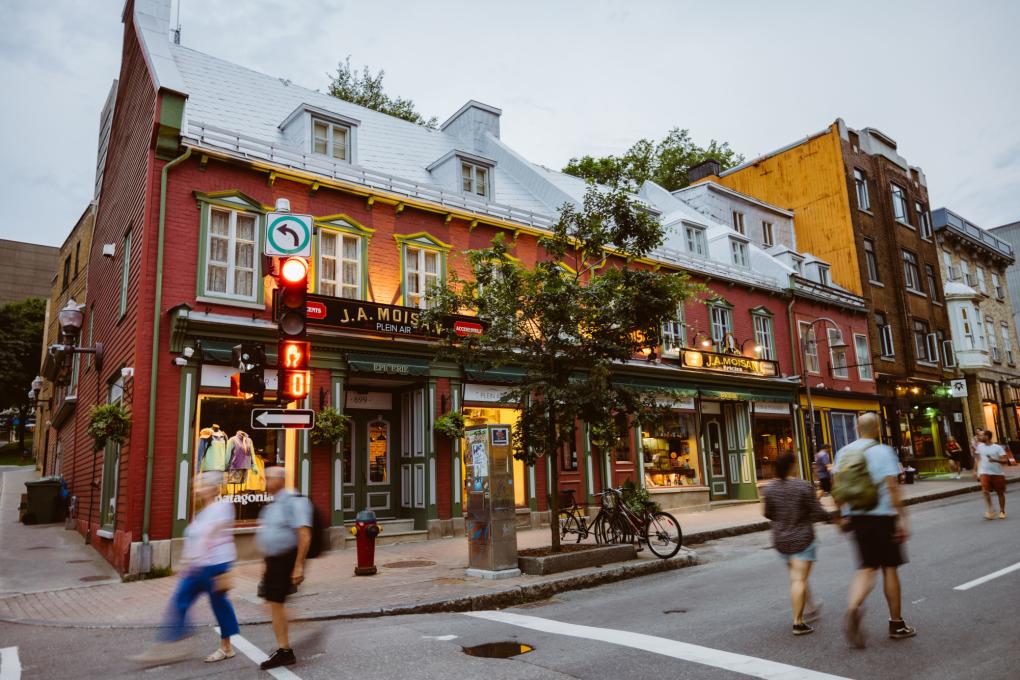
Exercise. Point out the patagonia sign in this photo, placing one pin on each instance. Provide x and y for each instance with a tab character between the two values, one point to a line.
730	363
372	317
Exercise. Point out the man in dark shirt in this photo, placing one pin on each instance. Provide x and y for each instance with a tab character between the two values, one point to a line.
823	469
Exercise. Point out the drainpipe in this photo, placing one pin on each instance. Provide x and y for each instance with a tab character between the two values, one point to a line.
150	447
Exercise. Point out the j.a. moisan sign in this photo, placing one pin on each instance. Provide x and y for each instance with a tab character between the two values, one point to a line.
378	318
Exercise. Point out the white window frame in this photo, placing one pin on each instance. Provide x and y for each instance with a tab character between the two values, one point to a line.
899	204
911	271
740	255
947	260
738	222
419	256
861	183
968	328
810	345
1007	342
674	332
923	223
767	235
125	273
862	354
470	182
929	275
721	323
965	272
1000	292
331	129
921	331
824	277
980	273
695	238
763	335
231	264
338	266
871	261
932	340
885	335
837	357
948	354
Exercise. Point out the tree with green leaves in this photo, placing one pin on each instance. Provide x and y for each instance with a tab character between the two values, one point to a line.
569	322
666	162
21	340
366	89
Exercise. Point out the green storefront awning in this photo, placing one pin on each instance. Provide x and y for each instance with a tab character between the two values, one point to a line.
387	365
221	352
748	395
495	374
658	386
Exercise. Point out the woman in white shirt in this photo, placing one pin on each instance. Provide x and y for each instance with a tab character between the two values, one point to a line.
209	553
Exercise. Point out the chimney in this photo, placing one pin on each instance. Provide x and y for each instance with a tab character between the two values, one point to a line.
472	120
709	168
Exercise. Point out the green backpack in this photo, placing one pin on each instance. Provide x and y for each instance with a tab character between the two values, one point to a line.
852	484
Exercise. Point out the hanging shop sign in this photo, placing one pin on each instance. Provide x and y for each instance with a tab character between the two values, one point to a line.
729	363
372	317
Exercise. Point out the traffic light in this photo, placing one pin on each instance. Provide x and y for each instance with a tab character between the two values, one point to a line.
293	350
250	359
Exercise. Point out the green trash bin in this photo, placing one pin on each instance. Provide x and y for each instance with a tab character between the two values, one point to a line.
44	505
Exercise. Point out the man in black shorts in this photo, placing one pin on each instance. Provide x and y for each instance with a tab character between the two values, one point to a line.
879	533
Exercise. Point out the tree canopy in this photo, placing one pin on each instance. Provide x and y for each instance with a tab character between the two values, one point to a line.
366	89
665	162
568	322
21	340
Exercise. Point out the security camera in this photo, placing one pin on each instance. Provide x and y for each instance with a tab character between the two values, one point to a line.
127	372
188	352
180	361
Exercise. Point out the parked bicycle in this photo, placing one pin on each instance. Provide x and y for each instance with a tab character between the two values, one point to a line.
660	531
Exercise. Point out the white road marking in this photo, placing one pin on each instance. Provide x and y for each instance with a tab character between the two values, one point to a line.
985	579
738	663
256	655
441	638
10	665
919	601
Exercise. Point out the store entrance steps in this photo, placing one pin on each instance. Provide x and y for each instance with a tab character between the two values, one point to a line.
393	531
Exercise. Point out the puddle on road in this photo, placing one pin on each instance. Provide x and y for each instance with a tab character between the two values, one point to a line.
498	650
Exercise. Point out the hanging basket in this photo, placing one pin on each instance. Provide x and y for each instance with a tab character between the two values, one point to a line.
330	427
108	423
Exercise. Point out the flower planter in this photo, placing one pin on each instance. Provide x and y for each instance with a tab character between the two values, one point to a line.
574	557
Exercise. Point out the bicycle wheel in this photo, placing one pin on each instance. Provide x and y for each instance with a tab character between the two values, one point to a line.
568	525
616	530
663	535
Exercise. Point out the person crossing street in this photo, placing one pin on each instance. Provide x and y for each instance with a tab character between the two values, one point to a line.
990	459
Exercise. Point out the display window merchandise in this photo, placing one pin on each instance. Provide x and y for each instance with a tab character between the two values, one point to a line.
225	445
772	437
670	453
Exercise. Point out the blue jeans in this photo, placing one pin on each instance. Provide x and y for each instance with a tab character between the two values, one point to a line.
196	581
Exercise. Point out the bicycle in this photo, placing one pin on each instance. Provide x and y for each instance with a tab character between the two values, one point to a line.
660	531
572	519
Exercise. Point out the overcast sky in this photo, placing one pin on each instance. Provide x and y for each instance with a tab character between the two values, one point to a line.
941	78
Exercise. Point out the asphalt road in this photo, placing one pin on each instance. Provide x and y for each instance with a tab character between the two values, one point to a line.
727	618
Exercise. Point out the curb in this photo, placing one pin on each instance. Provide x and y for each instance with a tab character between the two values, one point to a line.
516	595
508	597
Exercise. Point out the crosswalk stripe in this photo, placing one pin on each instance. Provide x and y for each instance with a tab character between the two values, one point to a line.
717	658
257	655
985	579
10	664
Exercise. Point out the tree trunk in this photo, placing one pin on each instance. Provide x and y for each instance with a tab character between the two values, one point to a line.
554	481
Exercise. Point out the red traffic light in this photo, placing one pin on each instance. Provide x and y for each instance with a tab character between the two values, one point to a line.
294	270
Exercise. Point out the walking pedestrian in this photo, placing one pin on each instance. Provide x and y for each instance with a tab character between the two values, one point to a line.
990	458
283	535
793	508
865	474
823	469
208	554
955	456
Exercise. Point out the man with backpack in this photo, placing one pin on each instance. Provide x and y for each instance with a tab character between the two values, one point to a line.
865	485
284	536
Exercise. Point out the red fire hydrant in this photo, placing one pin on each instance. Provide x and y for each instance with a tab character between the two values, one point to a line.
365	529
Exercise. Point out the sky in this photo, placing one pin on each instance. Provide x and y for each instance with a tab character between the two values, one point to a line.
572	77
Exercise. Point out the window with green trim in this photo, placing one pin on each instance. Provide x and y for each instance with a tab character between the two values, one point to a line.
340	267
231	265
125	273
721	321
111	464
422	269
763	334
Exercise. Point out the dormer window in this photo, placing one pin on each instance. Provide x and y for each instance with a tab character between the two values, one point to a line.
738	222
823	276
798	266
695	237
739	253
474	179
331	139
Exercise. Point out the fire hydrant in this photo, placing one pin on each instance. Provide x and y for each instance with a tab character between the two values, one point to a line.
365	529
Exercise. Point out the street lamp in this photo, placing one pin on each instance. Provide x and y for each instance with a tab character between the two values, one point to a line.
804	341
757	347
70	320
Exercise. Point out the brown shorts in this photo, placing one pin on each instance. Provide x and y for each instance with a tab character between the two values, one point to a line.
996	483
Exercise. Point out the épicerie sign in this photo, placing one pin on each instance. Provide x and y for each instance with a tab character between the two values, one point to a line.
372	317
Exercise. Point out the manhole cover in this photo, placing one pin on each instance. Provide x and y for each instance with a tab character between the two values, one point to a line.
409	563
498	650
97	577
78	561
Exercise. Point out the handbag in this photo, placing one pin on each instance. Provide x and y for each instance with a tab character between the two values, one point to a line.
223	582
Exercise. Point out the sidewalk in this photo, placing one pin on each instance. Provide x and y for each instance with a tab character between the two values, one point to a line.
412	578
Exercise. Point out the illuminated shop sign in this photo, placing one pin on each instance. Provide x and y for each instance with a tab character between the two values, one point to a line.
729	363
373	317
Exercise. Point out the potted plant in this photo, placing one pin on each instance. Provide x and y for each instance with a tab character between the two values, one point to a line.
634	497
450	424
330	426
108	423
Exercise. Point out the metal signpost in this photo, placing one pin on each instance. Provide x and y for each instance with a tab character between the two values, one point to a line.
492	530
282	419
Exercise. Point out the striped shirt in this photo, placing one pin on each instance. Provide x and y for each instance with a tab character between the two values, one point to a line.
793	508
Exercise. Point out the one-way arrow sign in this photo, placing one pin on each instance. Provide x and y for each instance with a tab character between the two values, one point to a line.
282	418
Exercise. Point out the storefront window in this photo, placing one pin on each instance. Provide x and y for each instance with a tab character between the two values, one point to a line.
843	427
772	436
671	453
378	452
226	445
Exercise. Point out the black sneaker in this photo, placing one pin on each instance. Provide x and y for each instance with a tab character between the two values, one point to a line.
899	630
281	657
802	629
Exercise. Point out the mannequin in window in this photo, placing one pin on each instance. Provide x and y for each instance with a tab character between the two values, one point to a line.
239	451
204	438
215	454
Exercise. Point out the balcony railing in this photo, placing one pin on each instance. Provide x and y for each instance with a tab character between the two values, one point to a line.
948	220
